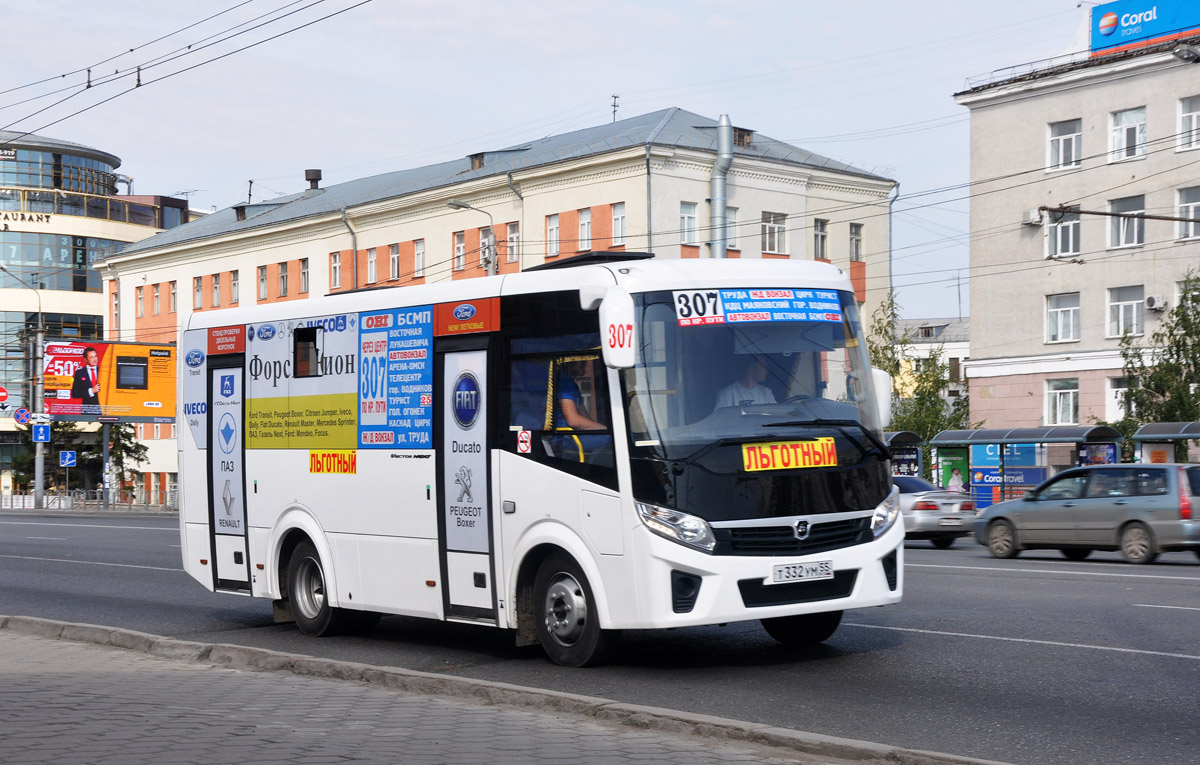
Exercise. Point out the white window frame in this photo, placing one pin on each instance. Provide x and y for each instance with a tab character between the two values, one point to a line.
585	229
460	250
157	302
774	233
1189	229
820	238
262	282
419	258
687	223
174	297
335	270
1062	320
1125	228
304	276
234	287
731	228
1126	314
372	266
551	235
394	262
513	243
1127	142
283	279
856	242
1062	237
140	302
1189	125
198	293
618	224
487	245
216	290
1058	399
1115	404
1065	145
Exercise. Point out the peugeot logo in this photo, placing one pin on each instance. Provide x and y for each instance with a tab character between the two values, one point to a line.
801	530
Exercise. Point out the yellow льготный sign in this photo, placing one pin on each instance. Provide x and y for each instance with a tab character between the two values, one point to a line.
790	455
302	422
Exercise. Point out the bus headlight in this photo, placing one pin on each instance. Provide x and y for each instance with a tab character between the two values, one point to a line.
678	527
886	513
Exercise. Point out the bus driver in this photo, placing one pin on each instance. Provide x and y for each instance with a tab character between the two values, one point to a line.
748	390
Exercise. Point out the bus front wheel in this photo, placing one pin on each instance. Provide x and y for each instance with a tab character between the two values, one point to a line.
568	623
803	629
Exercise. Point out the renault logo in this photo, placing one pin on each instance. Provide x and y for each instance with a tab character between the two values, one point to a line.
801	530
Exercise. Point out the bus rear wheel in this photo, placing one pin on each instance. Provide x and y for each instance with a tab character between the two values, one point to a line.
803	629
306	590
568	623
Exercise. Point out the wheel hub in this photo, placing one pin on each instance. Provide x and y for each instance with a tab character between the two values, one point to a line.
566	609
310	595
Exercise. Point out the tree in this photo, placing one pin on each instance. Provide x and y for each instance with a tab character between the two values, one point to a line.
1163	375
124	452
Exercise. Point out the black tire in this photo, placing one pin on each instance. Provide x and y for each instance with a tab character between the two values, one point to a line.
1002	540
1137	544
803	629
943	543
568	623
1075	553
306	591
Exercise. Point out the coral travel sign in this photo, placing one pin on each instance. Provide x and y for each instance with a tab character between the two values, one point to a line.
1128	24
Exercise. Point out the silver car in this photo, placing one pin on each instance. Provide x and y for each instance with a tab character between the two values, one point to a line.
931	513
1140	510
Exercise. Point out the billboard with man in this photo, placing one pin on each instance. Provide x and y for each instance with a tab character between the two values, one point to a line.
133	382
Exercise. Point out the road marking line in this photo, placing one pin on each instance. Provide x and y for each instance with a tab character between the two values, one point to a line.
89	562
1051	571
1181	608
174	529
1026	640
55	539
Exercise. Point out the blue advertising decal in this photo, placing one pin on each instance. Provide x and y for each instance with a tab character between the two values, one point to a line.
985	480
988	455
1132	23
697	307
395	392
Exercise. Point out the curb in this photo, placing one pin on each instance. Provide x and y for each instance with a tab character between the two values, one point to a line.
482	691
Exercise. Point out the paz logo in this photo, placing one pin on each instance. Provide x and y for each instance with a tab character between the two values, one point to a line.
1108	23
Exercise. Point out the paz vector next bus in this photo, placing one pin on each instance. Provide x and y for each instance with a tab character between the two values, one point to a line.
613	443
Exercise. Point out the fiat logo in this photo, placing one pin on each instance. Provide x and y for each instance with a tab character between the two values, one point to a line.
801	530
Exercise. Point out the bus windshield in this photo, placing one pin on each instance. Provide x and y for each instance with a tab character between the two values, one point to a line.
755	364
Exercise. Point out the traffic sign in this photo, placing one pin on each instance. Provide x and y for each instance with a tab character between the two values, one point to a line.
66	459
41	434
3	394
22	416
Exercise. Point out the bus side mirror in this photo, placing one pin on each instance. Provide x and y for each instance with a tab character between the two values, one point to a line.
617	328
882	382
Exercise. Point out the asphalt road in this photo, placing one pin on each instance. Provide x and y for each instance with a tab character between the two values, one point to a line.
1031	660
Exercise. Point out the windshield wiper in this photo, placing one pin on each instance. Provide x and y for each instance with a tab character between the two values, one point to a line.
841	425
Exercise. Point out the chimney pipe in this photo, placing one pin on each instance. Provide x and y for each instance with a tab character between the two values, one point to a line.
717	214
314	178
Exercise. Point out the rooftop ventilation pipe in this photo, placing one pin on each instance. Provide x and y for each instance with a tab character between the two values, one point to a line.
717	193
314	178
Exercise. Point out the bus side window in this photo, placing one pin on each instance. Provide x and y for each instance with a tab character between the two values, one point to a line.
306	351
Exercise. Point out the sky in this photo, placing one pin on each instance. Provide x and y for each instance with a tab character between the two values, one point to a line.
358	89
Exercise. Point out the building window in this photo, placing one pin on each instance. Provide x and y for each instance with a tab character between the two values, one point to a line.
1062	402
1062	237
460	250
618	223
1189	208
1128	134
1189	123
335	270
197	293
173	297
304	276
372	266
856	251
216	295
1116	403
1126	310
820	239
773	240
1127	231
1066	140
687	222
487	246
394	262
157	431
262	282
234	289
141	309
419	258
1062	317
551	235
283	279
731	228
585	229
141	431
156	300
514	242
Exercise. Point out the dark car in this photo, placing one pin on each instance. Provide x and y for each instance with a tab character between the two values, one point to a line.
1141	510
931	513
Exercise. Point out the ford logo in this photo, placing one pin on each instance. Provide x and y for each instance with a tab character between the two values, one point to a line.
266	332
464	311
194	358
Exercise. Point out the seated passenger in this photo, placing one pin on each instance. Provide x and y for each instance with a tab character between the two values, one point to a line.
748	390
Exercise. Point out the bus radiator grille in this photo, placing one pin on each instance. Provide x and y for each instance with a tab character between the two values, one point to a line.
781	540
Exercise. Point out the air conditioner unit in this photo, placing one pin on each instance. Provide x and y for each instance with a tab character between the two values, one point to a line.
1032	217
1156	302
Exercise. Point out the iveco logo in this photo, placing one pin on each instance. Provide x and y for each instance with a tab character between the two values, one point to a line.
266	332
464	311
801	530
194	358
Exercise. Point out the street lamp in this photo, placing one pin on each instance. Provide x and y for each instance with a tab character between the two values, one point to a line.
458	204
39	460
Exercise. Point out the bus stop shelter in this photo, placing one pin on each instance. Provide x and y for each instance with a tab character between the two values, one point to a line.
1156	440
908	458
1081	436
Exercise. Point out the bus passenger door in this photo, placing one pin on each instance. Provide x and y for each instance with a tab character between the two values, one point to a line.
464	482
226	472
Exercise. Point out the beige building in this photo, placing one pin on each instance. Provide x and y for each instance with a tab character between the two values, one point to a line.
640	184
1066	159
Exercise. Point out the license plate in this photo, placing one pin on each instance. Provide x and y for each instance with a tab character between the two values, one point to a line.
950	522
799	572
